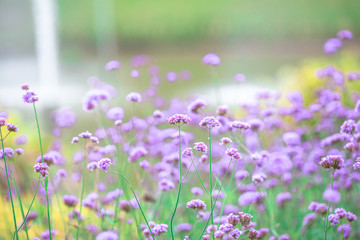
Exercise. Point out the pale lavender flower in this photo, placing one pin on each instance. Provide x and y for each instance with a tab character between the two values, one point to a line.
179	120
42	168
196	105
171	76
239	77
225	141
104	164
11	127
201	147
222	110
345	34
112	65
332	45
134	97
70	200
211	59
30	97
348	127
209	122
196	204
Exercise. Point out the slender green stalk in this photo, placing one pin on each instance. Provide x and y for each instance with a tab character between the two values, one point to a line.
33	200
197	172
8	183
82	191
142	212
46	179
210	176
217	196
21	207
179	190
328	209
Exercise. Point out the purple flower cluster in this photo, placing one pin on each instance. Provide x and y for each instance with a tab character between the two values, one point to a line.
196	204
42	168
179	120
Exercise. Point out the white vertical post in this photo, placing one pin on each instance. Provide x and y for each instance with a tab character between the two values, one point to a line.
45	21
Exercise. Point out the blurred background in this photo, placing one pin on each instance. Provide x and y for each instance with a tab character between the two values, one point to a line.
57	45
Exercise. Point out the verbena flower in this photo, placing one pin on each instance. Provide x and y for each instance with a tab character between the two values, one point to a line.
30	97
196	105
345	34
209	122
200	147
179	119
104	164
112	65
233	153
70	200
196	204
222	110
211	59
332	162
133	97
225	141
348	127
42	168
332	45
240	125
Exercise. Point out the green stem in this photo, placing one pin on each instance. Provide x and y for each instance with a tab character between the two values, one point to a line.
8	182
46	179
211	186
21	207
179	190
197	172
82	191
142	212
327	214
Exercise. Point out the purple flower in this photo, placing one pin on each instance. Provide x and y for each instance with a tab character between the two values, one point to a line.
196	204
245	218
211	59
112	65
239	77
137	153
282	197
334	219
225	141
235	233
209	122
134	97
196	105
75	140
9	152
93	97
42	168
320	208
179	120
166	184
253	234
85	135
309	219
25	87
345	229
222	110
332	162
70	200
351	217
331	195
107	235
11	127
201	147
240	125
19	151
332	45
226	227
144	164
233	219
259	177
30	97
187	152
2	121
197	191
291	139
135	73
115	113
104	164
348	127
345	34
184	227
171	76
233	153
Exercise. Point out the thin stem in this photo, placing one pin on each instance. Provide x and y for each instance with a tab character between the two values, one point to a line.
24	220
8	182
217	196
179	190
197	172
142	212
21	207
211	186
82	191
328	209
46	179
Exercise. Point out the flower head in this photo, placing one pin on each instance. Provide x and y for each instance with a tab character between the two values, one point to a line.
133	97
112	65
30	97
233	153
196	204
209	122
70	200
332	45
104	164
11	127
332	162
201	147
42	168
348	127
2	121
345	34
179	120
211	59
